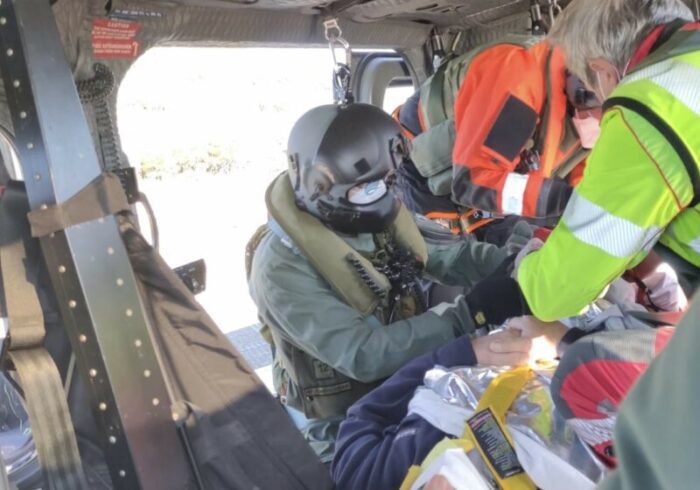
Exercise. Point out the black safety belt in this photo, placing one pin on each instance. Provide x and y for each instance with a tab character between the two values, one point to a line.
52	427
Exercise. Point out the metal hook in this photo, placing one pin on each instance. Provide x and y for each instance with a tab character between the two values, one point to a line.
554	10
334	36
538	27
341	71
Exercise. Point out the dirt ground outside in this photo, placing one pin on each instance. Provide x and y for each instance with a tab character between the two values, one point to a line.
207	128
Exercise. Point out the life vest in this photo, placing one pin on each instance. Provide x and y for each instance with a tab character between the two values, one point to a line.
443	96
432	149
317	389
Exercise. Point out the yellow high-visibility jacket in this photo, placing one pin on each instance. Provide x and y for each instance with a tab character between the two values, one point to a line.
640	186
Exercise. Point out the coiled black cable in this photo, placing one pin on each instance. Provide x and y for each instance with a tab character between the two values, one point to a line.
96	91
366	278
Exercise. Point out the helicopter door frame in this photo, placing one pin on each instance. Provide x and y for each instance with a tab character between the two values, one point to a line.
378	71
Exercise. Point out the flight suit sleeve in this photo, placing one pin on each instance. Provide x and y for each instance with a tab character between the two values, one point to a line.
296	300
615	216
463	263
495	121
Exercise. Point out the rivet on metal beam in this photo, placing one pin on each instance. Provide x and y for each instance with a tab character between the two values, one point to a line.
72	304
110	251
23	115
15	84
120	281
147	373
155	402
137	343
112	440
103	406
3	21
129	312
10	52
93	373
37	177
62	269
122	473
82	339
30	146
43	207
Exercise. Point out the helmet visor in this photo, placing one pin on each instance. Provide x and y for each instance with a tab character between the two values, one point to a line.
367	192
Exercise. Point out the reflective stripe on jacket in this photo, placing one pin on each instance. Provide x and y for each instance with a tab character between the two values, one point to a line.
638	186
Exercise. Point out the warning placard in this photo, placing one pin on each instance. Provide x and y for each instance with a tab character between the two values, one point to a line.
115	38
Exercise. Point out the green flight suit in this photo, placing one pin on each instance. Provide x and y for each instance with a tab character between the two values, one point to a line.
300	307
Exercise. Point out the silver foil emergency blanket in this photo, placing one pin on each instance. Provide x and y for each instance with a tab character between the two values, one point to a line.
533	412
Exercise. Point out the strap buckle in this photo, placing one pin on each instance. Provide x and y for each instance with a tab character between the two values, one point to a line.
473	219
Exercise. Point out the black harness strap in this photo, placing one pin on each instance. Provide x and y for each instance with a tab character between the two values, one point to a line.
691	166
52	427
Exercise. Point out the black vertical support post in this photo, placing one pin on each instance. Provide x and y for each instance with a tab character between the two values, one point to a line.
89	268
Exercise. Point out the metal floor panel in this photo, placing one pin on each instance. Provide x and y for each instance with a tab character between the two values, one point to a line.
252	346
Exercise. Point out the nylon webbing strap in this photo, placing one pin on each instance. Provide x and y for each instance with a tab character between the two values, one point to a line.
565	168
52	428
23	310
102	197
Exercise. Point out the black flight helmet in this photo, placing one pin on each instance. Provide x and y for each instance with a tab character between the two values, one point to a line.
339	161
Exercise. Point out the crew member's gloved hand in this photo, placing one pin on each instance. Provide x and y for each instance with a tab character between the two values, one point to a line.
533	245
520	236
495	299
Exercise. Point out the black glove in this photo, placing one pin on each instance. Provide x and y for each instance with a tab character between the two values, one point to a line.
505	268
519	237
495	299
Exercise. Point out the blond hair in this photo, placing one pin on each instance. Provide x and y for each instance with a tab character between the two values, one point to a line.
609	29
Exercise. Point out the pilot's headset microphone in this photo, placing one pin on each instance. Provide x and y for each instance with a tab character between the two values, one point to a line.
341	158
